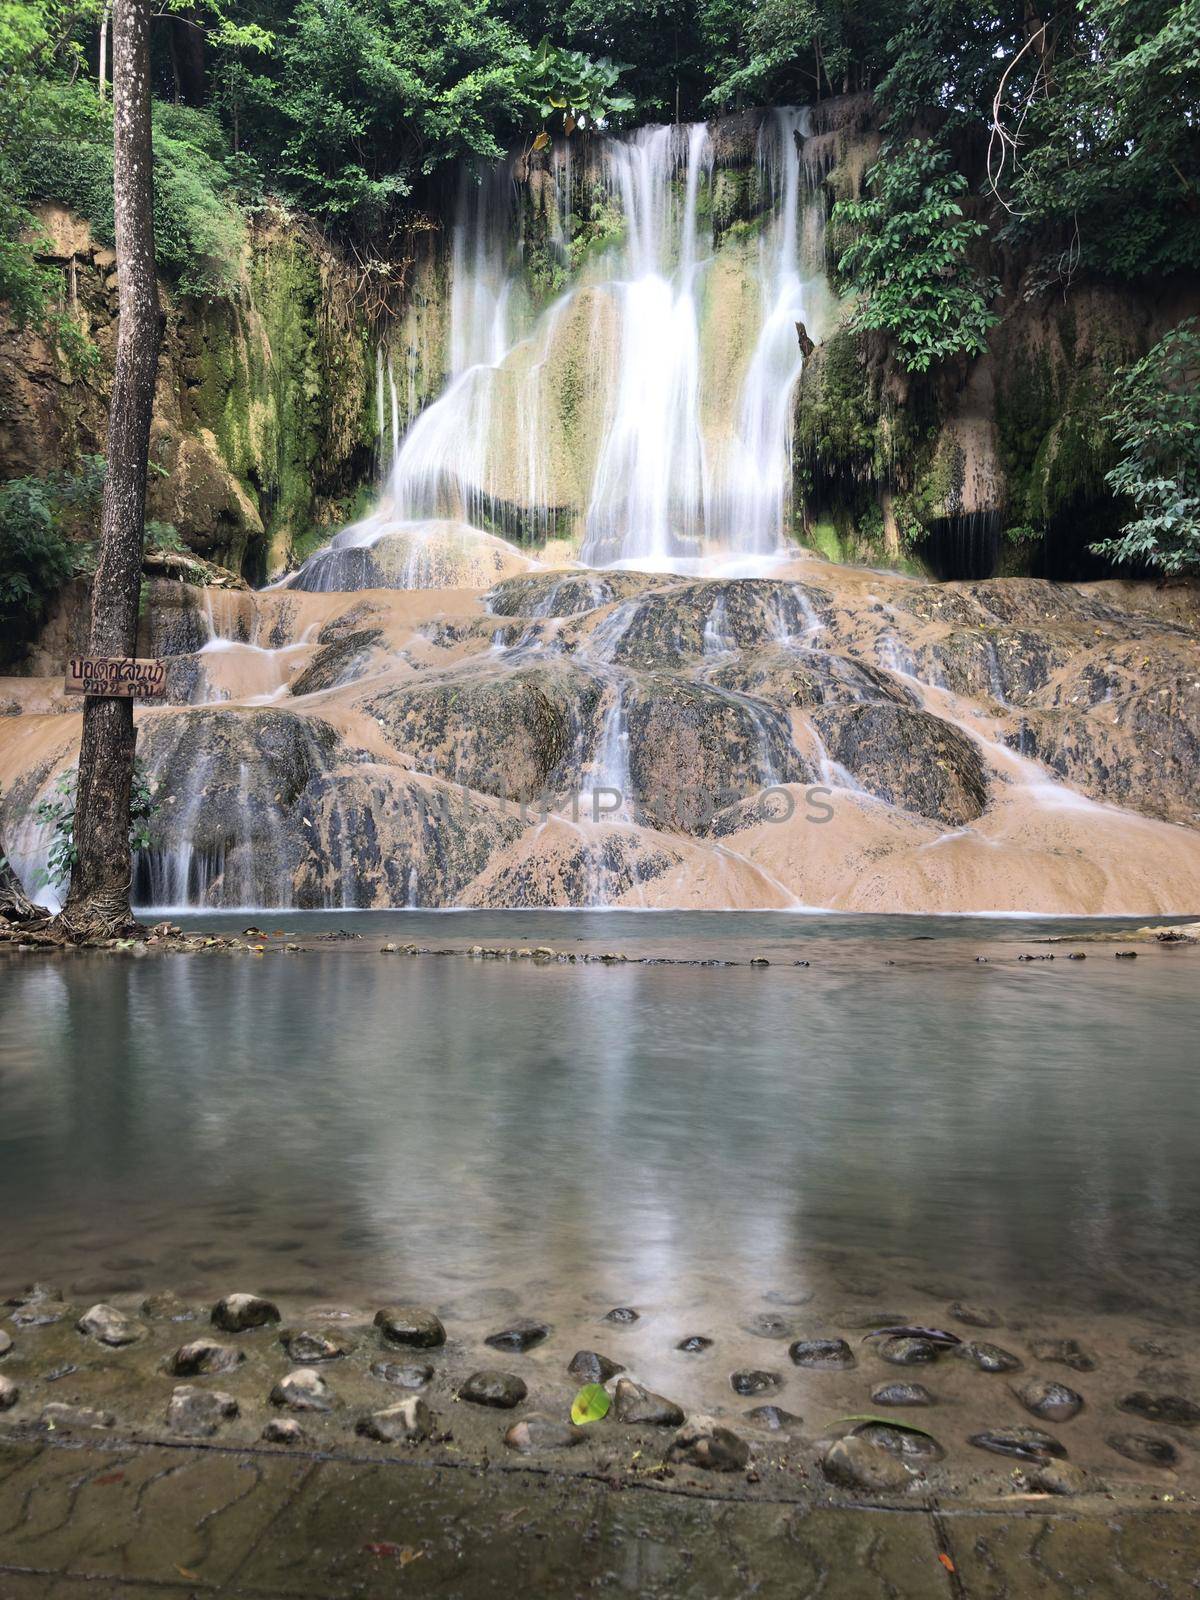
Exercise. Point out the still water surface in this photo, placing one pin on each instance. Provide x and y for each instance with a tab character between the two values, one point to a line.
347	1123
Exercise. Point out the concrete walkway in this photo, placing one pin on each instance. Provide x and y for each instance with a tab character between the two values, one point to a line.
144	1522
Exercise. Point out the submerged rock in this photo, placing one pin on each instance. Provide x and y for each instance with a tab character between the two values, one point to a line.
856	1463
767	1324
988	1357
773	1417
503	1390
1067	1352
834	1353
520	1337
908	1352
237	1313
107	1325
1147	1449
405	1375
911	1445
975	1316
695	1344
1028	1444
901	1394
198	1413
591	1367
704	1443
537	1432
303	1390
636	1404
307	1348
410	1325
284	1430
204	1356
9	1394
167	1307
408	1421
58	1415
1060	1477
6	1343
1053	1402
621	1315
1172	1408
754	1381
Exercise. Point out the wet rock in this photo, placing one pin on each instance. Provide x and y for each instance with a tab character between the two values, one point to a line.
975	1316
39	1314
306	1348
537	1432
1060	1477
204	1356
1155	1348
9	1394
1028	1444
167	1307
591	1367
909	758
6	1343
408	1421
773	1417
908	1352
503	1390
988	1357
906	1443
1053	1402
58	1415
198	1413
637	1404
410	1325
520	1337
768	1325
1066	1352
238	1312
1172	1408
405	1375
303	1390
754	1381
284	1430
695	1344
832	1353
107	1325
344	660
621	1315
34	1294
704	1443
1144	1448
856	1463
902	1394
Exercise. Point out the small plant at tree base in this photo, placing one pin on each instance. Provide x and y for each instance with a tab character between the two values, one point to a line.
906	255
1156	424
58	814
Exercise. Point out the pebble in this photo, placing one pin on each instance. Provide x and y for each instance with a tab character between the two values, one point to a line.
908	1352
6	1343
520	1337
1059	1477
284	1430
704	1443
856	1463
754	1381
407	1421
1066	1352
414	1375
1053	1402
1144	1448
694	1344
307	1348
303	1390
199	1412
488	1388
903	1442
9	1394
902	1394
538	1432
59	1415
834	1353
1171	1408
975	1316
1030	1444
204	1356
988	1357
637	1404
591	1367
621	1315
774	1417
410	1325
238	1312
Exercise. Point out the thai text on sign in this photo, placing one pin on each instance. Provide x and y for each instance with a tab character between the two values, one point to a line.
125	677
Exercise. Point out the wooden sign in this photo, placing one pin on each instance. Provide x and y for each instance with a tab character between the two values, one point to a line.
117	677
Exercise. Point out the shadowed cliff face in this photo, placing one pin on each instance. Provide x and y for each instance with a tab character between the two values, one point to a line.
823	736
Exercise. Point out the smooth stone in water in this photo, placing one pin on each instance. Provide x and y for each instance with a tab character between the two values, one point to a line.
908	1352
834	1353
705	1443
1172	1408
902	1394
589	1366
199	1412
975	1316
694	1344
488	1388
307	1348
767	1325
773	1417
537	1432
1053	1402
988	1357
405	1375
1059	1477
58	1415
107	1325
856	1463
1066	1352
1144	1448
303	1390
637	1404
39	1314
915	1447
410	1325
34	1294
6	1343
238	1312
520	1337
754	1381
9	1394
406	1422
1028	1444
204	1356
621	1315
284	1430
167	1307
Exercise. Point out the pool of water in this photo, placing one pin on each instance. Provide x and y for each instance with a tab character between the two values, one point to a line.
348	1123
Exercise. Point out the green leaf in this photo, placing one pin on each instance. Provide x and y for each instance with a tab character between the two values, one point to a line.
591	1404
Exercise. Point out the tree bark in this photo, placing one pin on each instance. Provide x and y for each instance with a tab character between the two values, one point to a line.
15	904
98	900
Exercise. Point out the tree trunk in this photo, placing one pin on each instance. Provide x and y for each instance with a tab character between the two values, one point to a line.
98	900
102	70
15	904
